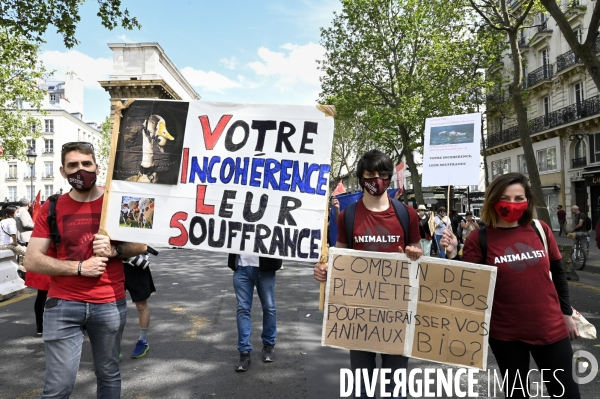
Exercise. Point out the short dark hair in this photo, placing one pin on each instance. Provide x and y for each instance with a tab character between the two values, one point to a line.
441	208
469	213
494	193
374	161
79	146
560	206
10	211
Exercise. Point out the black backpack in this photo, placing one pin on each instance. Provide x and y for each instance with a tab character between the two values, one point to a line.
588	223
54	234
483	239
401	214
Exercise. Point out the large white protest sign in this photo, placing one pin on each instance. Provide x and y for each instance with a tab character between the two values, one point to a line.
234	178
451	152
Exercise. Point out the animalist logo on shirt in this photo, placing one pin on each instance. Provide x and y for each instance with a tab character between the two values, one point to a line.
78	243
380	238
519	256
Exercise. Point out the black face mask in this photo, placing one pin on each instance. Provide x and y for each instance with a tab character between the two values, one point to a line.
82	180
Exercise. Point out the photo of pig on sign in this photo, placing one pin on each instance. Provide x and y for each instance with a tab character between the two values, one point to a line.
451	150
249	179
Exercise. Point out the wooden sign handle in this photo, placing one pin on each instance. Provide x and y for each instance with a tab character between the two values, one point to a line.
111	162
324	249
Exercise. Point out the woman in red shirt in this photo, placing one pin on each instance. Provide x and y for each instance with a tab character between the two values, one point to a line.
531	313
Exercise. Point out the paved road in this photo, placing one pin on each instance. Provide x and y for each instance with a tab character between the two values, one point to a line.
193	339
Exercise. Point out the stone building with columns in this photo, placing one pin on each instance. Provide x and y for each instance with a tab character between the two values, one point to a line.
143	70
563	109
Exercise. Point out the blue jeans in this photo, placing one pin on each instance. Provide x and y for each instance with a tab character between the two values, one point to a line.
63	338
440	248
366	360
245	278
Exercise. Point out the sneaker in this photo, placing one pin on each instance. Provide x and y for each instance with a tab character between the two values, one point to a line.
268	353
244	362
141	348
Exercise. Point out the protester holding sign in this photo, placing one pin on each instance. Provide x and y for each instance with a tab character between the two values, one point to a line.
531	314
376	227
87	280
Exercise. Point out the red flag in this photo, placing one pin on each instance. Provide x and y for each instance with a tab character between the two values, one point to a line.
36	206
339	189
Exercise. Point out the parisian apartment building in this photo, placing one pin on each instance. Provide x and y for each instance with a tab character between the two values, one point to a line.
563	111
61	123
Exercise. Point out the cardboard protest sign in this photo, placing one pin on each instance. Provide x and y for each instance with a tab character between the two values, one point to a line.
432	309
227	177
451	151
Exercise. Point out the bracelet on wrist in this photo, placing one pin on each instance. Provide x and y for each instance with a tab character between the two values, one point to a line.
79	268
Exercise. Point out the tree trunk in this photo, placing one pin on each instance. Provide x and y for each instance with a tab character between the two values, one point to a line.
515	90
585	51
485	167
412	166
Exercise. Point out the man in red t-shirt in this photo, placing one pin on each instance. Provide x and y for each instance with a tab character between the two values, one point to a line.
376	228
87	280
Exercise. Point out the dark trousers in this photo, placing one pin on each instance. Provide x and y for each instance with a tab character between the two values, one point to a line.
366	360
513	356
562	228
38	308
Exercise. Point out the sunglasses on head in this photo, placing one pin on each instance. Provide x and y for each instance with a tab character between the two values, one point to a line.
73	143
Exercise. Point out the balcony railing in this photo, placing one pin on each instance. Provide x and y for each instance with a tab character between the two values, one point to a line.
562	116
579	162
47	176
48	151
11	176
27	176
523	42
545	72
543	27
566	60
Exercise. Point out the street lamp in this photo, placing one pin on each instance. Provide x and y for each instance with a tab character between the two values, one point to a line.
31	156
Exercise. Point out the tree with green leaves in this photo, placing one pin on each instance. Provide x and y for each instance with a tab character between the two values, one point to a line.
103	152
20	74
394	63
22	26
31	18
510	19
587	50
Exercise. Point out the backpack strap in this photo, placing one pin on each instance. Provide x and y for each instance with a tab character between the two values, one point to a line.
537	227
349	213
483	243
54	233
402	215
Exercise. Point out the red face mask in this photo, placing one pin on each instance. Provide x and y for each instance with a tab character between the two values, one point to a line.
511	211
375	186
82	180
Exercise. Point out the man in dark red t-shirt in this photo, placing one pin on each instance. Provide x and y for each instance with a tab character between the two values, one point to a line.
376	228
562	220
87	280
